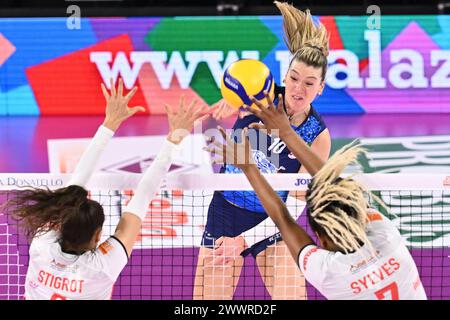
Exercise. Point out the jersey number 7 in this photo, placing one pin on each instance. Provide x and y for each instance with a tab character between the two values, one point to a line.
392	288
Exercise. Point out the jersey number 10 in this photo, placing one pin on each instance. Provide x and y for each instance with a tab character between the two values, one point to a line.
277	146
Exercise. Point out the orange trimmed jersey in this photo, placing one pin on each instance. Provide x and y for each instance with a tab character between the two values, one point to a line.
55	275
385	272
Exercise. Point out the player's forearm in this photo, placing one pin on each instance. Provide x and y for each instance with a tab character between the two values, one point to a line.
294	236
270	200
151	181
88	161
311	161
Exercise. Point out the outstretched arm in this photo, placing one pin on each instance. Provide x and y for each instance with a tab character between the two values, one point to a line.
238	154
181	124
117	111
276	122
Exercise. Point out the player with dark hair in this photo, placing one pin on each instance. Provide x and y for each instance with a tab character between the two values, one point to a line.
65	225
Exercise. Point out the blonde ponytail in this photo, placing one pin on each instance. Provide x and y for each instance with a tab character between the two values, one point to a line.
308	42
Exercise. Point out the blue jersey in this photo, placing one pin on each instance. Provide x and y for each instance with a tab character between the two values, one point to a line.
270	154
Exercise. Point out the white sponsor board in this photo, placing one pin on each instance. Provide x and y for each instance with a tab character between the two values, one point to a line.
173	219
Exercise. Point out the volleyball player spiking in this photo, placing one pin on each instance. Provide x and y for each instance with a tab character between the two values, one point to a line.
237	224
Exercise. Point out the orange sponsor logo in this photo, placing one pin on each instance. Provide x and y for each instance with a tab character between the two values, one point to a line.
374	216
307	255
105	247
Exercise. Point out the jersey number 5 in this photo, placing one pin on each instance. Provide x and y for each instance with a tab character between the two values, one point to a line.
392	288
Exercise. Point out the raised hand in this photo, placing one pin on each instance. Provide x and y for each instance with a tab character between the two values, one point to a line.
237	154
274	118
222	110
184	119
117	109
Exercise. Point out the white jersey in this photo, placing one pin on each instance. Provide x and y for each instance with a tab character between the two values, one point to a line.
386	272
53	274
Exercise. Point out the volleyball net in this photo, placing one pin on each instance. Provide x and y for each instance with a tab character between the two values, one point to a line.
165	263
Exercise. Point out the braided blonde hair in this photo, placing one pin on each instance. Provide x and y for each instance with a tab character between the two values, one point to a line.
338	206
309	43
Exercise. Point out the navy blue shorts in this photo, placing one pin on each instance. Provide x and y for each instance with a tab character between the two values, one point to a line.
225	219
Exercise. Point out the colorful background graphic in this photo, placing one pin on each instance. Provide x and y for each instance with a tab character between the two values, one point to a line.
48	69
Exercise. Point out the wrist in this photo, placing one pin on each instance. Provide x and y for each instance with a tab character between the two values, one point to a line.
175	139
111	125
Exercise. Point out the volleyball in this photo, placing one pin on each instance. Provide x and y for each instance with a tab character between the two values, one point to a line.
245	78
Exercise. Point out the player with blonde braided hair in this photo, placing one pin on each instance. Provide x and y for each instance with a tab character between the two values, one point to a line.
363	255
338	206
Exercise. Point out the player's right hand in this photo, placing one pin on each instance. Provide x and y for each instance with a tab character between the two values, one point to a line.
182	121
222	110
117	109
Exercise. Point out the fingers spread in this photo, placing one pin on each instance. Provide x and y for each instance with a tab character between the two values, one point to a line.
222	132
257	126
268	100
181	106
136	109
218	144
213	151
200	111
105	92
113	89
131	94
257	103
201	119
120	88
218	111
280	103
244	135
192	105
169	109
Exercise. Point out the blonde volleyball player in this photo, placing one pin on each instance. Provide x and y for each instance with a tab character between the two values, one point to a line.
65	225
362	254
237	223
